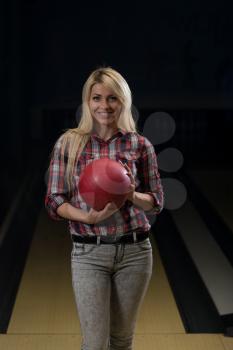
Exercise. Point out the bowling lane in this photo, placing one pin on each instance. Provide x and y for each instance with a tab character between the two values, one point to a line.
214	268
148	342
45	302
209	256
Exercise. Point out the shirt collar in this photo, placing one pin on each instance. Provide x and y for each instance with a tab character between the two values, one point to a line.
119	132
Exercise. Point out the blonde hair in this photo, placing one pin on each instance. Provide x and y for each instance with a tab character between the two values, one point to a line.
74	140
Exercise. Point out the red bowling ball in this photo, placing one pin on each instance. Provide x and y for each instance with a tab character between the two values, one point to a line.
102	181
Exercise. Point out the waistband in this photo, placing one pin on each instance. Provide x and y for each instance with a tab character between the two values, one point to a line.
128	238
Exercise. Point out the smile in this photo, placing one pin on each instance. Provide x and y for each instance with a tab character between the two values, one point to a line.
105	114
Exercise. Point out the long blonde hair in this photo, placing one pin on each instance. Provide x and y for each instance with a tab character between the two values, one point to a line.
74	140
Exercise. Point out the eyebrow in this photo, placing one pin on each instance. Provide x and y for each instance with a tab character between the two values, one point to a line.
101	95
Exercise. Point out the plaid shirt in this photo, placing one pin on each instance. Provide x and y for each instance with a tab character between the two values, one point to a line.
129	147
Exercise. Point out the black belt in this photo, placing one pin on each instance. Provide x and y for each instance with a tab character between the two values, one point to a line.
126	238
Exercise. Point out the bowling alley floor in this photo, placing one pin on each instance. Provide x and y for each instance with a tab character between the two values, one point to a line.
45	318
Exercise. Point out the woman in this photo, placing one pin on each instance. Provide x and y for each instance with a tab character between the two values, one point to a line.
112	256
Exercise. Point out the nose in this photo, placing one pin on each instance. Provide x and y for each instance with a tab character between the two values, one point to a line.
104	103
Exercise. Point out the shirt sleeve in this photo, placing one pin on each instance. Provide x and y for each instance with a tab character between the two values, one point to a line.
151	182
57	192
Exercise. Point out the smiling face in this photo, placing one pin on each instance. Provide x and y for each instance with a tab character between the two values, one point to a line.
105	106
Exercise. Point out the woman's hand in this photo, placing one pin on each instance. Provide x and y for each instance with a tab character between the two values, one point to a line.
94	216
131	192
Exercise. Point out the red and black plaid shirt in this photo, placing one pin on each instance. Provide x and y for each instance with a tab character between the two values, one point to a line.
130	147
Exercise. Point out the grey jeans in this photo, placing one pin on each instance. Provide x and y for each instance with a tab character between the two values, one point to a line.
109	283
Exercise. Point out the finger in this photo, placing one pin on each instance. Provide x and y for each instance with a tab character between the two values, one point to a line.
124	165
107	206
128	169
121	163
130	174
111	206
131	177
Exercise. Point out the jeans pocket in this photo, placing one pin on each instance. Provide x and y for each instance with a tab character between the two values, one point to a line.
80	249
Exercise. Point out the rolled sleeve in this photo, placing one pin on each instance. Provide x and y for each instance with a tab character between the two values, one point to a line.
151	178
52	202
57	193
157	208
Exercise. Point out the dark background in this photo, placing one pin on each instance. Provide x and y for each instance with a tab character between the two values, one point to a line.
177	57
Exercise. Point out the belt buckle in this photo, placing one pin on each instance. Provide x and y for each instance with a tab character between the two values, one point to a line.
109	239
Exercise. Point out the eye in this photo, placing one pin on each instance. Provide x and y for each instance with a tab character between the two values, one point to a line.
96	98
112	98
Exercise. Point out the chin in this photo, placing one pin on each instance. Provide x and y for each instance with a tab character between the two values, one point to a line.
110	123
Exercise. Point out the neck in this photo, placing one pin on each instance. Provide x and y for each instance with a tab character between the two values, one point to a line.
105	132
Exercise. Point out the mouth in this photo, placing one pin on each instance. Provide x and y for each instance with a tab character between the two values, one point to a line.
105	114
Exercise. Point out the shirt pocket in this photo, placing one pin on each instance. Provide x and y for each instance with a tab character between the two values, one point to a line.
85	159
130	159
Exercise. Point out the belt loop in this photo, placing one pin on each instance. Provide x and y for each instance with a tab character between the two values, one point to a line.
134	237
98	240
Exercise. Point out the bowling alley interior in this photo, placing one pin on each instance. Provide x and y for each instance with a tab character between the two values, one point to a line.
178	61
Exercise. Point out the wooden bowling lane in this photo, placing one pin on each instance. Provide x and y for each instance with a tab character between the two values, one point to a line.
142	342
205	224
45	303
159	313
